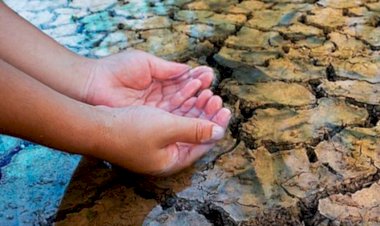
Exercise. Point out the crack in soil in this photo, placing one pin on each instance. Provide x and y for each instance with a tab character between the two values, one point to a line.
91	201
309	206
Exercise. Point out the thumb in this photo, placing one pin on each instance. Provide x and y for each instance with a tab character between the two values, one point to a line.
163	69
192	130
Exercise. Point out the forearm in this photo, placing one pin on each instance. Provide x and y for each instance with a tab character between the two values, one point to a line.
33	111
28	49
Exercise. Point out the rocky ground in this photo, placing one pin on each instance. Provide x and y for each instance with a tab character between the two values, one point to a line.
302	78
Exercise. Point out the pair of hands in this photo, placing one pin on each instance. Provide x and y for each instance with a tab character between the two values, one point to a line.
157	124
146	118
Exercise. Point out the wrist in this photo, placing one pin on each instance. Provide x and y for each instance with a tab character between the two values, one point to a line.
98	131
83	68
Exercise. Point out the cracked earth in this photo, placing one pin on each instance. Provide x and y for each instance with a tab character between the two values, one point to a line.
302	79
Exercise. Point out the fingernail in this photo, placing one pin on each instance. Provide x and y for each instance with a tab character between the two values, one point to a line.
217	133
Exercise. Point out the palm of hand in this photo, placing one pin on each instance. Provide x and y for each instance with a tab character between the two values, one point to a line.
144	82
168	94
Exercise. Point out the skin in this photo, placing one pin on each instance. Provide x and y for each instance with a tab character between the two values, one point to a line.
131	109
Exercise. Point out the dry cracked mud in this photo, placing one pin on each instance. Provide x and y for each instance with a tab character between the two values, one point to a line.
302	79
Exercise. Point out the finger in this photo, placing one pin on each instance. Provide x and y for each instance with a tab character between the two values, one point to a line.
197	109
173	86
194	112
198	71
203	98
206	80
188	91
163	69
203	73
214	104
191	130
186	106
222	117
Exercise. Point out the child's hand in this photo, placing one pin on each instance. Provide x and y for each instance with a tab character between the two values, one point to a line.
161	139
140	138
138	78
147	139
152	141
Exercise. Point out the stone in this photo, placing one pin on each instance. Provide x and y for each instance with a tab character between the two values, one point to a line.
324	53
360	91
212	33
369	34
229	184
357	12
254	40
299	31
366	69
291	127
178	3
359	208
332	19
234	58
99	22
46	17
113	195
90	176
67	29
339	48
315	49
351	154
173	218
213	5
96	5
374	6
281	69
308	179
247	7
117	204
268	94
284	16
311	43
155	22
296	5
102	22
347	47
169	45
129	38
143	9
340	4
209	17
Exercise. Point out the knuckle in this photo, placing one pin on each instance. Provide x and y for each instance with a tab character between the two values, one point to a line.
198	132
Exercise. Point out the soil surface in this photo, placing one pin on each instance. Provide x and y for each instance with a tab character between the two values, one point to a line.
302	78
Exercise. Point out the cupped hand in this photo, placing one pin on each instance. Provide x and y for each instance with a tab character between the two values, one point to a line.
153	141
138	78
171	119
